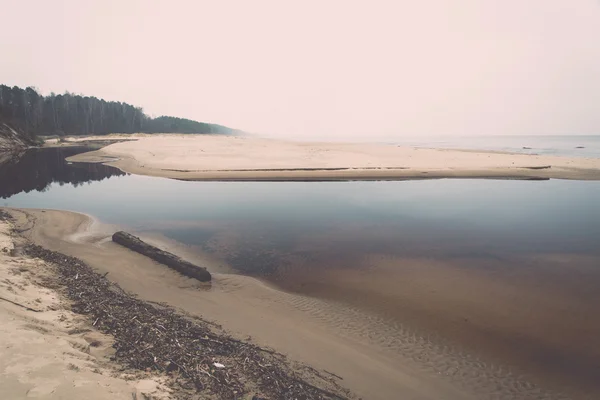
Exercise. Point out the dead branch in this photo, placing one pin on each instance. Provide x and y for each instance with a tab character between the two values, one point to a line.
20	305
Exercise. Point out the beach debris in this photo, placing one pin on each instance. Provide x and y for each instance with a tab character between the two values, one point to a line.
154	338
164	257
4	216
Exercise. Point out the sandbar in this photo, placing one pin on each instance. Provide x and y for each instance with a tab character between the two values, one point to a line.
214	157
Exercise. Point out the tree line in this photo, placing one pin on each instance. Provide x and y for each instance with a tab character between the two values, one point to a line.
69	114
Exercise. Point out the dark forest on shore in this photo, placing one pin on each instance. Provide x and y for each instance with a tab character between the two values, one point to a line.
31	115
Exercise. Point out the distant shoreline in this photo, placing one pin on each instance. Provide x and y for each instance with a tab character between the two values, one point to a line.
229	158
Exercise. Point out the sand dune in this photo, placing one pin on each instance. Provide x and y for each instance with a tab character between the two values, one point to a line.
210	157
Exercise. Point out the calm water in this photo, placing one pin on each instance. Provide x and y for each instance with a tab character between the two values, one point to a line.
37	169
258	227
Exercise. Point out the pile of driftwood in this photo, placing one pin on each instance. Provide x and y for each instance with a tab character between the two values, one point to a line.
153	337
4	216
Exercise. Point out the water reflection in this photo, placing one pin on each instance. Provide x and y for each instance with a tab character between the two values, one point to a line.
36	169
264	228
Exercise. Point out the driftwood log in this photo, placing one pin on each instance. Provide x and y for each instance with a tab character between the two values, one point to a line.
169	259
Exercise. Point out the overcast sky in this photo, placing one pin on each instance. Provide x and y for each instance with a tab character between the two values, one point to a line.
321	69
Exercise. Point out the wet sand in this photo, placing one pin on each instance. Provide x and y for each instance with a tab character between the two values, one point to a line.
536	317
430	329
532	311
213	157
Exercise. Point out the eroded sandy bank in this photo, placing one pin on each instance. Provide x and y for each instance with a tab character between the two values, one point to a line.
210	157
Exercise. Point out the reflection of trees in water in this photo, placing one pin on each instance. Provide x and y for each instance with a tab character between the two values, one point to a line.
36	169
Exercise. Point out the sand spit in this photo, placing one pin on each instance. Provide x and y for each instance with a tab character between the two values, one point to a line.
212	157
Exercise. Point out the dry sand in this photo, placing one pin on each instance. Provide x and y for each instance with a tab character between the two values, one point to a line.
47	351
378	357
212	157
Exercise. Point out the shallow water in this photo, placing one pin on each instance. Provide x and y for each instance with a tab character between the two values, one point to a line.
506	269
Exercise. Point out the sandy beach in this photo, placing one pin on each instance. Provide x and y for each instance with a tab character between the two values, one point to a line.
212	157
376	357
335	200
245	307
394	327
48	351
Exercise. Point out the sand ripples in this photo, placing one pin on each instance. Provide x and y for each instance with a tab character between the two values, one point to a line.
426	353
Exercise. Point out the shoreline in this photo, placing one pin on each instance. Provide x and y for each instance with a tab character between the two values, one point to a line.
48	350
375	360
364	320
79	323
209	157
244	307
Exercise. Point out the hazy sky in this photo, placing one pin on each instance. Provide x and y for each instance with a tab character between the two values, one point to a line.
321	69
